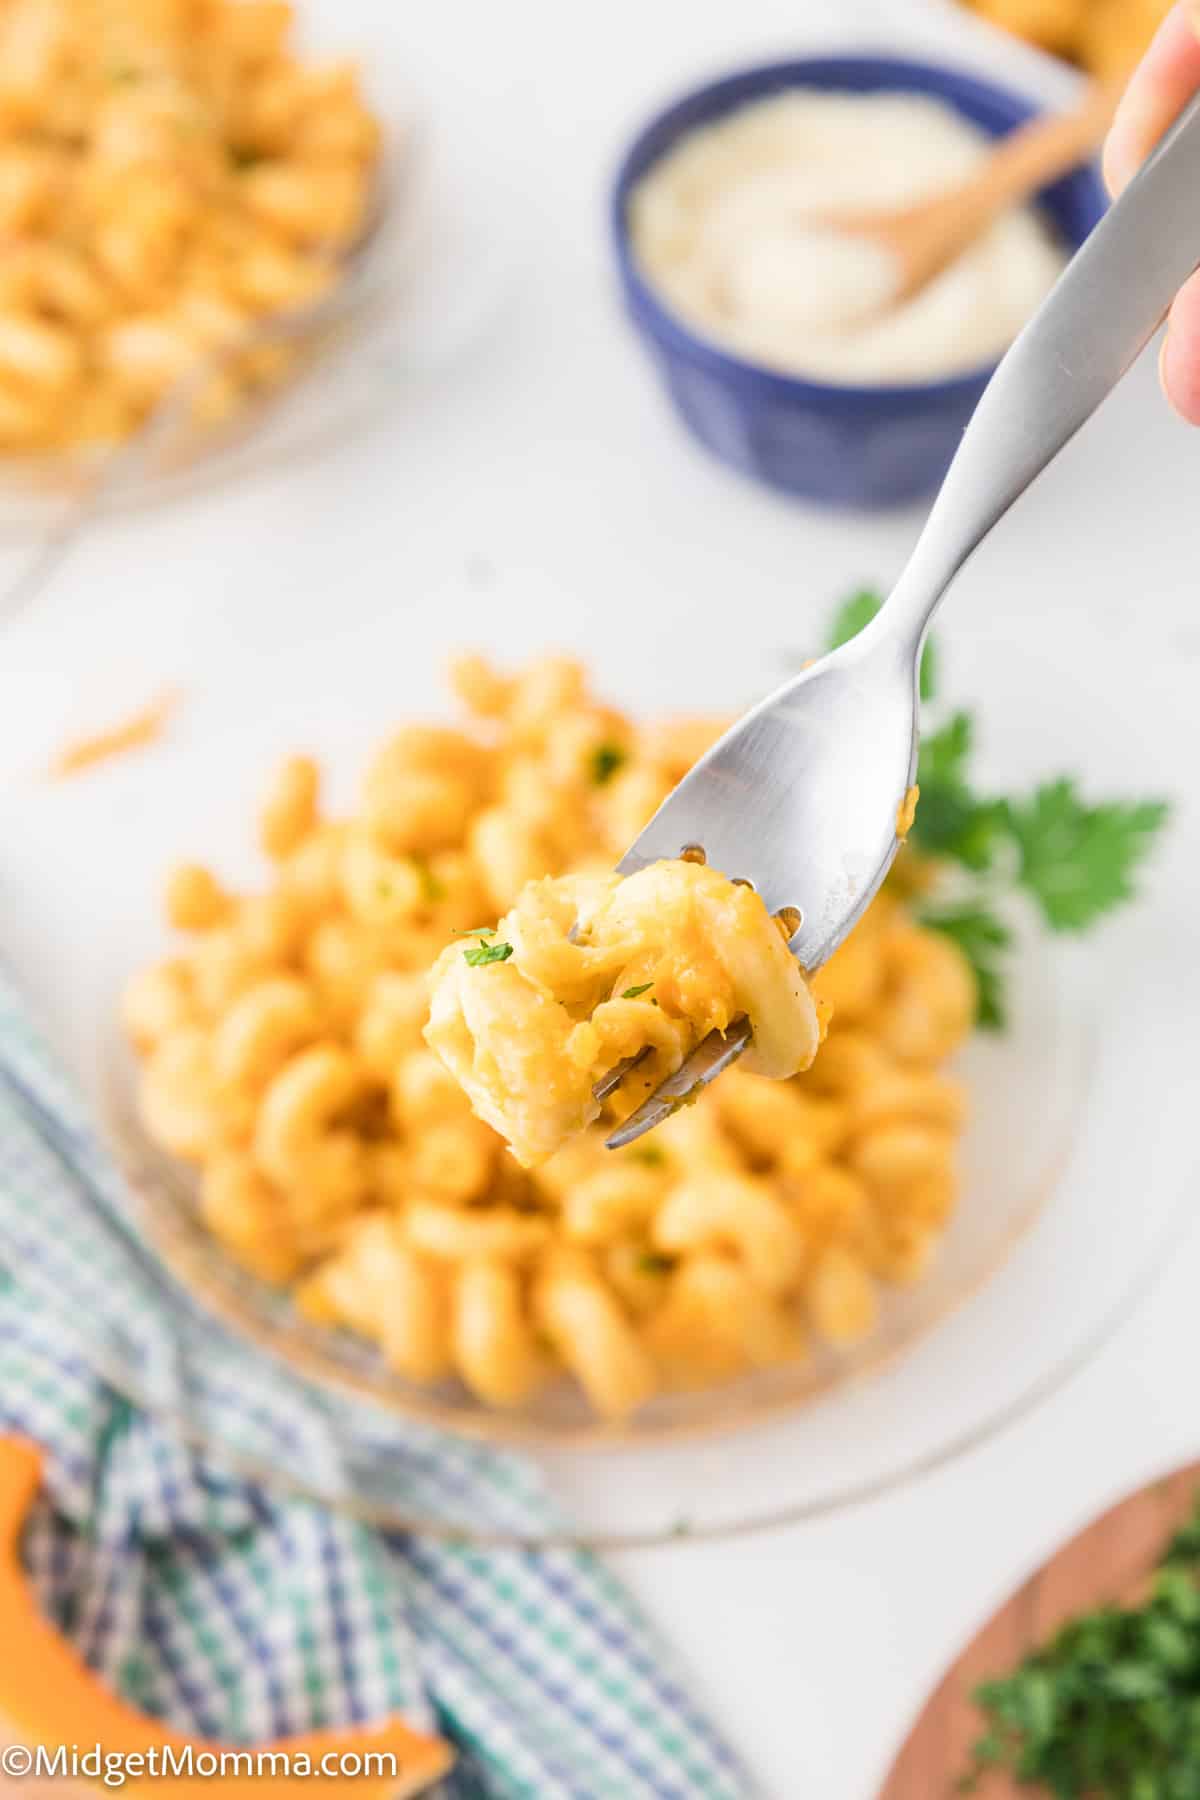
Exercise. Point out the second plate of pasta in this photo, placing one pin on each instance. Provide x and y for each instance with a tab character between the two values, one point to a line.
297	168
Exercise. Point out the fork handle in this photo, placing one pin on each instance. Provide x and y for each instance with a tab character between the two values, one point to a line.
1085	336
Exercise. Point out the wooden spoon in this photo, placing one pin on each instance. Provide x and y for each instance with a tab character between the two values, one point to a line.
921	240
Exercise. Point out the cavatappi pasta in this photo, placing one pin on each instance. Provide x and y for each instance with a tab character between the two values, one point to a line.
170	171
588	971
1106	36
282	1053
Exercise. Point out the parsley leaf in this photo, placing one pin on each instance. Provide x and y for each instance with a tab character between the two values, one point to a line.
433	888
605	760
650	1262
952	819
1077	860
945	754
856	612
650	1154
853	615
635	993
483	952
982	938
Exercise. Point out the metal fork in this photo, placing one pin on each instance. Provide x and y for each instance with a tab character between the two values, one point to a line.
803	794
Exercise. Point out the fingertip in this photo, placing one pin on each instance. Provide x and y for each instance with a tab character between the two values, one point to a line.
1166	79
1140	120
1116	164
1179	359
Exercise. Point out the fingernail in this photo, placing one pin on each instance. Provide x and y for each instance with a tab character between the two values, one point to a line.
1115	177
1178	391
1136	127
1120	165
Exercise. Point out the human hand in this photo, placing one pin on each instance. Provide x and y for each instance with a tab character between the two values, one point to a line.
1166	79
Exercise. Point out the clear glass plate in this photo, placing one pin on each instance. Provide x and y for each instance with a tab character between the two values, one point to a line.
1028	1090
1071	1202
442	262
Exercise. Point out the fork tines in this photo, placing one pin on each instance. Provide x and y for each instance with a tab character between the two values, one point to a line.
711	1057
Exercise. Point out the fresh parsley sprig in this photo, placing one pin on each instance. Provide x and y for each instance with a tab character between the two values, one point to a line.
1075	860
983	939
1078	861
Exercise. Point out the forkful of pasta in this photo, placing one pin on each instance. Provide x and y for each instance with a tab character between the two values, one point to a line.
642	987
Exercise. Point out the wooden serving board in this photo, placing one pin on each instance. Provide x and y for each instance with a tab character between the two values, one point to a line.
1110	1561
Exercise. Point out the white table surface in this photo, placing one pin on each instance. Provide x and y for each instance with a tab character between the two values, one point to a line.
543	459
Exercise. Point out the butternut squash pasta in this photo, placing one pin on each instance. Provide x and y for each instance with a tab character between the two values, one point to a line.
1106	36
170	171
283	1053
588	971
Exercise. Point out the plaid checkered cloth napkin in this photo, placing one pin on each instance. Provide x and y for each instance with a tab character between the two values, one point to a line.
245	1614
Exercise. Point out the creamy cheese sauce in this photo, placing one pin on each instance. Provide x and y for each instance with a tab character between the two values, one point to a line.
727	227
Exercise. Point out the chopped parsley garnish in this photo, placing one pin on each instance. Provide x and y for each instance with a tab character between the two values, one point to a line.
650	1262
635	993
650	1154
1108	1709
241	156
1075	860
483	952
605	760
433	888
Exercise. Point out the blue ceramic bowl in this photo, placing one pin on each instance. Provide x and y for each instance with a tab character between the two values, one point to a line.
845	446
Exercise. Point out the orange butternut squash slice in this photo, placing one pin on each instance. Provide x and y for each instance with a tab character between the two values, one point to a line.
48	1696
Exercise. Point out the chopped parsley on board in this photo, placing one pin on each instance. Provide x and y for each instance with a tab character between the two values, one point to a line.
1109	1709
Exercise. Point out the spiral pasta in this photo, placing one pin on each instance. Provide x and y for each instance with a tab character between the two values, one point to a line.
1107	36
282	1053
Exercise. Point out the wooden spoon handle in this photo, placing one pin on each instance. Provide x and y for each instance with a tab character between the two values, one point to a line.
1036	154
926	237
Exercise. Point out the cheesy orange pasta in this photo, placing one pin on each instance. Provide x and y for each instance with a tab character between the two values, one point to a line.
587	972
1106	36
170	171
283	1054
